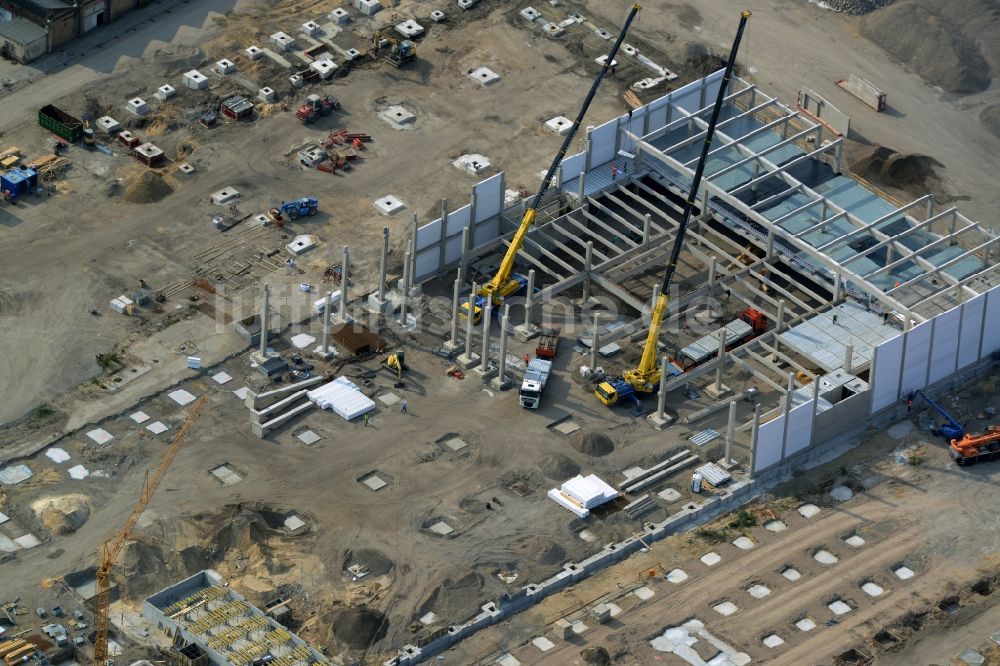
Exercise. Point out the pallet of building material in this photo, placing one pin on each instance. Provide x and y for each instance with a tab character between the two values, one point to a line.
640	507
864	90
632	99
49	164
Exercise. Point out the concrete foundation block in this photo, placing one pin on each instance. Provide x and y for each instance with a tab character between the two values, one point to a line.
721	392
253	52
469	361
397	116
659	423
195	79
529	14
560	124
281	41
311	28
525	332
266	94
484	76
137	106
339	16
324	67
389	205
385	305
369	7
410	29
437	16
296	81
501	383
225	66
165	92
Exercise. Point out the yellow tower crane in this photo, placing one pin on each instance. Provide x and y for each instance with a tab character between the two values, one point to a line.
113	547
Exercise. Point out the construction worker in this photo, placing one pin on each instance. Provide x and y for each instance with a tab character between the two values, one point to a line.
289	265
403	407
614	171
527	359
366	419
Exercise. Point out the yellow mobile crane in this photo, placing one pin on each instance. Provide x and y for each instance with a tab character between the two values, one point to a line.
505	284
113	548
642	379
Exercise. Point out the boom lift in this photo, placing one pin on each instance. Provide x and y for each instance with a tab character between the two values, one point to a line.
113	548
952	429
642	379
505	284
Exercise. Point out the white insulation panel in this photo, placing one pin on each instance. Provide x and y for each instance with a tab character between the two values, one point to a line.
602	143
972	330
944	348
885	373
991	331
770	436
489	198
799	434
915	357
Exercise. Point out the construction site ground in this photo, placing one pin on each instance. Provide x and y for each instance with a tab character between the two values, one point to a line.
105	226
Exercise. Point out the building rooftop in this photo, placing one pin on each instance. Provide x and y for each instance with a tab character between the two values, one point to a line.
21	30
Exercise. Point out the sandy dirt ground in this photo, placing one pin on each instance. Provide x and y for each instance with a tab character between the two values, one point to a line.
897	509
85	244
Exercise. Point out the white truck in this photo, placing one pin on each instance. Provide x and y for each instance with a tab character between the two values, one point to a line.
534	381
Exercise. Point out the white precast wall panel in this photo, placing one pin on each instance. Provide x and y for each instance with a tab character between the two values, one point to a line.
991	327
489	198
885	373
692	100
658	112
427	261
799	432
770	437
944	348
571	167
915	357
972	329
458	219
602	143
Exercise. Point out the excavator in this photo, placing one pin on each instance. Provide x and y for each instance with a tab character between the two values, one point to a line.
972	448
396	363
643	378
505	284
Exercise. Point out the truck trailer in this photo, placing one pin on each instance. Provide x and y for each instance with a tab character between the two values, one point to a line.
534	382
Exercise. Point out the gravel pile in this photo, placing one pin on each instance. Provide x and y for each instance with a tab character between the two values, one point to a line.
854	7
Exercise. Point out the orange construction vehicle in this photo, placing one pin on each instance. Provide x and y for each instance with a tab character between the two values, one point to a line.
972	448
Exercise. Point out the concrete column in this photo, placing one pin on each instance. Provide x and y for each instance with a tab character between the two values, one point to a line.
264	320
839	153
452	344
413	251
594	343
661	399
501	382
484	356
753	436
529	298
780	324
647	229
587	265
721	362
406	290
345	278
770	244
581	190
468	359
836	289
382	264
656	297
730	433
788	395
326	322
713	268
849	358
465	250
444	235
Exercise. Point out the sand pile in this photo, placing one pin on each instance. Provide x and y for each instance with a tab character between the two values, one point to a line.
884	166
592	443
359	627
990	119
541	550
951	43
62	514
558	467
241	532
149	187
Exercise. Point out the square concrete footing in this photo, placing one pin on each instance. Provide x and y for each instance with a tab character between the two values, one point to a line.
468	361
327	355
728	466
525	332
452	347
501	383
486	371
659	423
717	393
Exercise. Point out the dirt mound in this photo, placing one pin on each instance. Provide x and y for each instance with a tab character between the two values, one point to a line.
242	530
596	656
558	467
884	166
700	61
943	42
989	117
359	627
455	600
62	514
376	561
540	550
146	568
592	443
149	187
